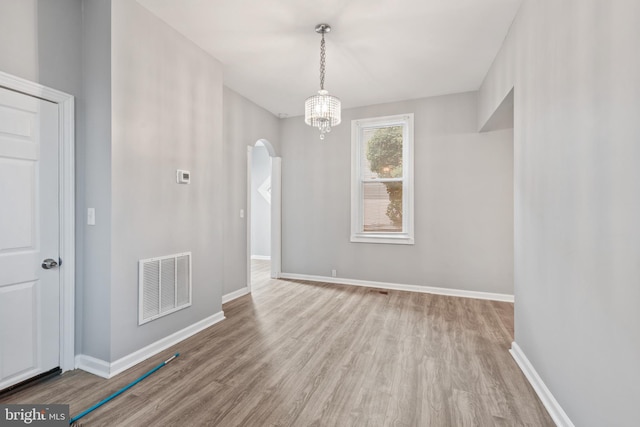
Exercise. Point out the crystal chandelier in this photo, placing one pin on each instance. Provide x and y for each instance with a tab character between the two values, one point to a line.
322	110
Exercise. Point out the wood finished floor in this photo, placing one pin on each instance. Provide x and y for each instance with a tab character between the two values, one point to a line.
306	354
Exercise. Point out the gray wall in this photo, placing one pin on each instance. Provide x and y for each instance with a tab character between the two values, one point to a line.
576	67
244	124
93	168
19	38
59	41
260	208
463	201
167	115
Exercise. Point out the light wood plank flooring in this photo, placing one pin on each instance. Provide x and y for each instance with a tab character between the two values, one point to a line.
260	271
306	354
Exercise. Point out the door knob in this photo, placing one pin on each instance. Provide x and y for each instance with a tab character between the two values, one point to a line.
49	263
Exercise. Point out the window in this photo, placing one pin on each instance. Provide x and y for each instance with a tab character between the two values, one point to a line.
382	180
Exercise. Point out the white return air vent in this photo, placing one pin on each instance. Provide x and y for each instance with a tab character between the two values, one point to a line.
164	286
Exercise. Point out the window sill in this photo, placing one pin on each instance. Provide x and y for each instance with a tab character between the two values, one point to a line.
383	238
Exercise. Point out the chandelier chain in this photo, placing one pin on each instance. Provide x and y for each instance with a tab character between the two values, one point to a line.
322	62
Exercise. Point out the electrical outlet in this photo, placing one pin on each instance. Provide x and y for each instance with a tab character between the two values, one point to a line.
334	273
183	177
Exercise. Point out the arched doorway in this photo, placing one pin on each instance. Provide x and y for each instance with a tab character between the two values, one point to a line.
269	189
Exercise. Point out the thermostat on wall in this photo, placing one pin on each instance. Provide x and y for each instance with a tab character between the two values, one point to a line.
183	177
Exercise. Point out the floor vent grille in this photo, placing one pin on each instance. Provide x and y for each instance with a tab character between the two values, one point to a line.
164	286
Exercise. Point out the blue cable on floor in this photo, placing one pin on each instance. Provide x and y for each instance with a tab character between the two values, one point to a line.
122	390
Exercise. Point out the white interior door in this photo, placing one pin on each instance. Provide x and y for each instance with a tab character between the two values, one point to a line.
29	234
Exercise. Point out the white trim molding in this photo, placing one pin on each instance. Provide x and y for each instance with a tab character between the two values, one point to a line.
276	216
107	370
401	287
261	257
93	365
248	216
234	295
66	138
550	403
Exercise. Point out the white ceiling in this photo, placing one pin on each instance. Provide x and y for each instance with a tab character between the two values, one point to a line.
378	50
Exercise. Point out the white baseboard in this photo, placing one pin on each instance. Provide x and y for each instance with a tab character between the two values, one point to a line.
401	287
235	294
550	403
108	370
261	257
92	365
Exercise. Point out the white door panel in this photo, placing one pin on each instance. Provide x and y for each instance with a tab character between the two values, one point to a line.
16	228
18	119
19	355
29	233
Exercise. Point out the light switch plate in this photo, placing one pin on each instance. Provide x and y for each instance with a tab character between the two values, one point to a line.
91	216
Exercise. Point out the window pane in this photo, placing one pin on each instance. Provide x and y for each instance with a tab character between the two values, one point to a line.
382	152
382	203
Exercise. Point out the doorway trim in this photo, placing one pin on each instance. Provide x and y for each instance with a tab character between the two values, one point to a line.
66	200
276	210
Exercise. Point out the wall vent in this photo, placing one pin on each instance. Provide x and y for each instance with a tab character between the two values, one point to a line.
164	286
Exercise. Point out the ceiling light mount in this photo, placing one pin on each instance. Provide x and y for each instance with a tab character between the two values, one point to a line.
323	28
322	110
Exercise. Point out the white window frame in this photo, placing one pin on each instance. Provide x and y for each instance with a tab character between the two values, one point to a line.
406	237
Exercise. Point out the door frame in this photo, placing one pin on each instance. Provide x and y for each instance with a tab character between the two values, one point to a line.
66	203
276	211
